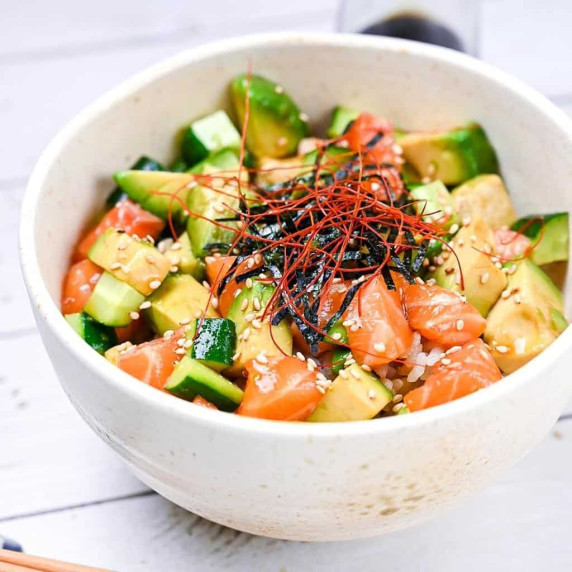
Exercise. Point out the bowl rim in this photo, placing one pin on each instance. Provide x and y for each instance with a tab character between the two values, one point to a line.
49	313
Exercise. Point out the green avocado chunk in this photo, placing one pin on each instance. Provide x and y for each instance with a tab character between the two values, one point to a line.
450	156
485	196
354	395
523	324
471	267
275	124
550	235
341	117
434	202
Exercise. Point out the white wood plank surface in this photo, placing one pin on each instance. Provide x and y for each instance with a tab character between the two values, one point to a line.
517	524
50	462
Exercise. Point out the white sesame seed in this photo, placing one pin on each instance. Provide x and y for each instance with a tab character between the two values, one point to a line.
460	325
85	288
375	186
181	351
349	361
184	321
249	283
397	398
498	265
181	342
431	282
174	269
187	344
466	221
191	184
303	117
365	367
300	356
454	228
210	259
218	208
256	303
354	327
176	246
236	356
343	143
244	305
484	277
310	364
134	315
214	303
237	293
115	266
256	324
398	407
150	259
512	269
206	284
168	334
343	373
336	336
419	280
176	260
279	89
379	347
505	293
502	349
154	284
261	357
517	299
354	373
198	314
446	361
397	149
245	334
371	394
453	350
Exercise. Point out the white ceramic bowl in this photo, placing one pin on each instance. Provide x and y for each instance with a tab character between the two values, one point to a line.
287	480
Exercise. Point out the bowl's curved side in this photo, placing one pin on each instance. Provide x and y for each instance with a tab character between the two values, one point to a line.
298	481
314	487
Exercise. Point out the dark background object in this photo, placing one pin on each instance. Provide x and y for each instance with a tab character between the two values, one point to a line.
414	26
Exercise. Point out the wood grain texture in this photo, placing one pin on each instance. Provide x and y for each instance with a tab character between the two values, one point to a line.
50	461
508	527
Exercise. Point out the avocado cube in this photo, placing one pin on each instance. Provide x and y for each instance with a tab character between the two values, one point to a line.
435	204
354	395
154	191
526	322
450	156
178	301
483	282
181	255
486	197
133	261
208	135
275	124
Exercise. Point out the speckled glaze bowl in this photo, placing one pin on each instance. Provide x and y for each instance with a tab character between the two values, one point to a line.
294	480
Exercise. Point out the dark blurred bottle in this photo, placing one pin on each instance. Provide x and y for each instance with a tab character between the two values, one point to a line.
448	23
412	26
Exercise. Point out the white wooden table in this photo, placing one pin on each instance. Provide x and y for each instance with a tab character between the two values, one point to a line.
63	493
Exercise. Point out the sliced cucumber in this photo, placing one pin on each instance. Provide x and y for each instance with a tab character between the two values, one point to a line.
133	261
337	334
550	235
208	135
434	203
142	164
341	118
215	343
112	301
191	378
275	124
339	358
98	336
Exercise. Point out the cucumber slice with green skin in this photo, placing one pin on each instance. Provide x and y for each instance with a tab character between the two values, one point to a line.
341	118
549	233
179	166
142	164
191	378
98	336
333	159
154	191
337	328
339	358
208	135
275	124
112	301
215	343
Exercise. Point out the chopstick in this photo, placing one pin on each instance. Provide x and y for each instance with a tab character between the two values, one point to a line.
18	562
